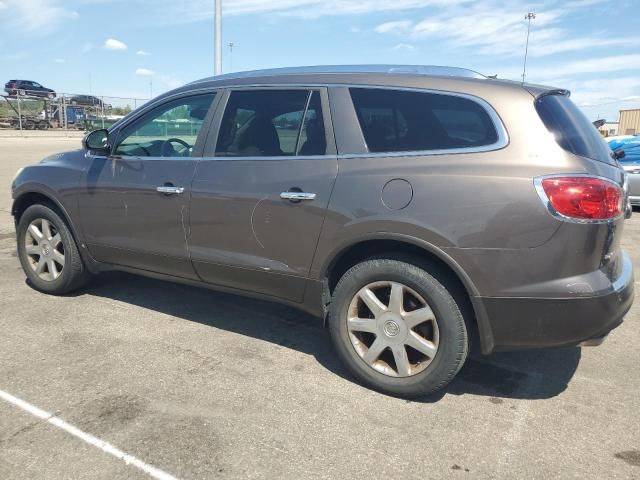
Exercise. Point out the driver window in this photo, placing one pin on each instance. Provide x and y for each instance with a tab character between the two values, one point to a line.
170	130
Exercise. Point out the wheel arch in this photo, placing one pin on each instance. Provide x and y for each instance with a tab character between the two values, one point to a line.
34	194
425	255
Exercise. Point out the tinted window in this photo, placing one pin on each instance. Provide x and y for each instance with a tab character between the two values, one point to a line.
170	130
272	123
398	121
571	129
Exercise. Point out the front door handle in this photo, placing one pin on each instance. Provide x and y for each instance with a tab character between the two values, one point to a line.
297	196
170	190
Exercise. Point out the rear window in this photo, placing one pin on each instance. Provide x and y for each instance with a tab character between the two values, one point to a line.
403	121
571	129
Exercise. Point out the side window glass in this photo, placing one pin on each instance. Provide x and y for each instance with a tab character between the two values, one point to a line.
170	130
270	123
398	121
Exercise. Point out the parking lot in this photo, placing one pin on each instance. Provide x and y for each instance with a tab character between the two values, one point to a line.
199	384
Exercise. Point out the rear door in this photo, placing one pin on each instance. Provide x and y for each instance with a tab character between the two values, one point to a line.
135	208
259	198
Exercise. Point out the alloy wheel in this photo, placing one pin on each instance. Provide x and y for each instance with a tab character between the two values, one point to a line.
44	249
393	329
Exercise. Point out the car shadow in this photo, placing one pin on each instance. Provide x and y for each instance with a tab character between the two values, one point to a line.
535	374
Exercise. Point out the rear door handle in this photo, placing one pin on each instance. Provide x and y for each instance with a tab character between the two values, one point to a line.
170	190
297	196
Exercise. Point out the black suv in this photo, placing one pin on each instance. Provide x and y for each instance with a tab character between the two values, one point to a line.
89	101
27	88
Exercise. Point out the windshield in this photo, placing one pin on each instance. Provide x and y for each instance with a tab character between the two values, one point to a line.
571	129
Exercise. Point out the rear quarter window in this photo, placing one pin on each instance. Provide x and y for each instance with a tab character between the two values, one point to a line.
571	129
404	121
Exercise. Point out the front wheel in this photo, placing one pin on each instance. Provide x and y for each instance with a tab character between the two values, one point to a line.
397	328
48	252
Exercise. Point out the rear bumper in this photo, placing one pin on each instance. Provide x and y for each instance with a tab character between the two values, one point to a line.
527	322
634	200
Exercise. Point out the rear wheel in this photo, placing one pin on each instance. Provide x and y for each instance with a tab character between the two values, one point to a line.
48	253
397	328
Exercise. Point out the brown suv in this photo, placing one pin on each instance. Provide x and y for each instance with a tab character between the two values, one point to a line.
416	209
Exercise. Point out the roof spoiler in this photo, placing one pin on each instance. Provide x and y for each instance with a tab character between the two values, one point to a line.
554	91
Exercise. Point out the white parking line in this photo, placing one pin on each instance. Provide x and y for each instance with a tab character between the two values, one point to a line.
85	437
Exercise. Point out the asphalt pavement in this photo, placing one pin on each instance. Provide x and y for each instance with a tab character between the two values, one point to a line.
199	384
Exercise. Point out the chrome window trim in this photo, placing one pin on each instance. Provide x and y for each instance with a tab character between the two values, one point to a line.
537	182
501	131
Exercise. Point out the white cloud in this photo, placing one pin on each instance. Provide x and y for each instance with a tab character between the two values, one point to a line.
87	47
143	53
400	26
35	17
491	28
14	56
598	65
113	44
58	60
403	47
171	81
354	29
170	11
144	72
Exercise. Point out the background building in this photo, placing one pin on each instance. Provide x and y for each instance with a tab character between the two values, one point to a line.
629	123
609	129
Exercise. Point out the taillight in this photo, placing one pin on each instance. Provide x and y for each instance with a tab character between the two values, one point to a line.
582	197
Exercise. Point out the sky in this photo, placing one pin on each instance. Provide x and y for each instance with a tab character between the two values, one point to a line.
135	48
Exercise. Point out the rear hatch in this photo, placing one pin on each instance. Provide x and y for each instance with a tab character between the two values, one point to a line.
592	204
571	129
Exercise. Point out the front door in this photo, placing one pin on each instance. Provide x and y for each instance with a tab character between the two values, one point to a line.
135	210
258	203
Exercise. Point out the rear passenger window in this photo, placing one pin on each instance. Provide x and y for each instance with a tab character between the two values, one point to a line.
272	123
402	121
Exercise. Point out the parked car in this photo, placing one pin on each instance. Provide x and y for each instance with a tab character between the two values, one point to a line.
27	88
89	101
416	209
630	145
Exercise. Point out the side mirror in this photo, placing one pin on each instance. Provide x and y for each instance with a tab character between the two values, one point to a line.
619	154
97	141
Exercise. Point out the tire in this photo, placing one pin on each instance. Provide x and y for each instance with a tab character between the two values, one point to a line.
445	330
72	273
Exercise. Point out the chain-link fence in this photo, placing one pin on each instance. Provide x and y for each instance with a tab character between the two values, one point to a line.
41	113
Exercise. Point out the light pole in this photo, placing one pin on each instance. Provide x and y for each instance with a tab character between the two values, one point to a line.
529	16
218	38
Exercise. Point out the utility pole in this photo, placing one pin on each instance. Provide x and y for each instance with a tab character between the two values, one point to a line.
231	45
529	16
218	38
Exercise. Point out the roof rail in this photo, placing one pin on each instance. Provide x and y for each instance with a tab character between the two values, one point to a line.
434	70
